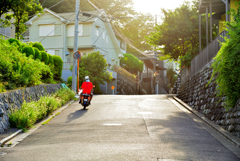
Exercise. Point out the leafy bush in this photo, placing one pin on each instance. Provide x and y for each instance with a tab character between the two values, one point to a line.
29	51
38	45
15	41
50	59
58	65
226	65
45	58
95	66
31	112
131	63
17	70
37	54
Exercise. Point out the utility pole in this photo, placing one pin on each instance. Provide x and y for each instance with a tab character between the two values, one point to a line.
75	46
155	62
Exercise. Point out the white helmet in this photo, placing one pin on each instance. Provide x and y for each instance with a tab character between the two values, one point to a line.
86	77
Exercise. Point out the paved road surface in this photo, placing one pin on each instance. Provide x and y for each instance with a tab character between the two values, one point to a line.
123	128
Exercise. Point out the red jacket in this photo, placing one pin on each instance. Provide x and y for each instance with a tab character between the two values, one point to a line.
87	87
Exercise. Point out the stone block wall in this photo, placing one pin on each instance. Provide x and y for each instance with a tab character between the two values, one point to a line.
126	86
14	100
203	98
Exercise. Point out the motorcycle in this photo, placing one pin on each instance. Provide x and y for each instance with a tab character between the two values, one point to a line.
85	99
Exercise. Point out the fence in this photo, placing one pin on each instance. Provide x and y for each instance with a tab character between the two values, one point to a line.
207	54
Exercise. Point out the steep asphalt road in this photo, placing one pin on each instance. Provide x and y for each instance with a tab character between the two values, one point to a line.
146	127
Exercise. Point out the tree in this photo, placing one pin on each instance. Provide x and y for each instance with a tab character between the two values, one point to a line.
131	63
136	29
5	6
95	66
21	9
178	34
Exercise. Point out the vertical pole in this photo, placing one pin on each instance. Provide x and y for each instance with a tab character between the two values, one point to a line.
200	34
227	7
155	60
210	6
75	47
206	26
77	74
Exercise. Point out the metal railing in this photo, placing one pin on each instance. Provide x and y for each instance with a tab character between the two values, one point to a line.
207	54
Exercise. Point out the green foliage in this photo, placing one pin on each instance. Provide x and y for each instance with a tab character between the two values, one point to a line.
29	51
226	65
31	112
17	70
38	45
50	59
186	59
37	54
131	63
45	58
172	76
16	42
178	34
95	66
58	66
69	82
20	10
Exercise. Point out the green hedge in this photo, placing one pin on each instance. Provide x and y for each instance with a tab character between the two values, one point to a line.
37	54
58	66
15	41
50	59
45	58
38	45
29	51
17	70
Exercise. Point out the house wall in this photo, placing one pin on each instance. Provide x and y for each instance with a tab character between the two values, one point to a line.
50	42
104	44
222	27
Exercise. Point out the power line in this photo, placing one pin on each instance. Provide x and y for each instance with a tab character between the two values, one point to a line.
56	4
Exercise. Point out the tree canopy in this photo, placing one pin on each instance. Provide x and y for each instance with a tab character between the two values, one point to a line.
20	9
178	36
95	66
131	63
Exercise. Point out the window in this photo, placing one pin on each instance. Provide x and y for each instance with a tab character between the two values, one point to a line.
122	45
104	35
71	30
97	31
46	30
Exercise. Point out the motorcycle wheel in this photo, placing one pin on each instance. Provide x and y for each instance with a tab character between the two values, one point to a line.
84	107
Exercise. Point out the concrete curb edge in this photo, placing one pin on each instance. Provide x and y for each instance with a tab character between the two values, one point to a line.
226	134
3	141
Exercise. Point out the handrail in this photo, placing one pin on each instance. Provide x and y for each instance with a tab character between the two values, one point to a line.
207	54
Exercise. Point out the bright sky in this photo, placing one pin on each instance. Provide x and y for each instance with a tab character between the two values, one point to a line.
153	6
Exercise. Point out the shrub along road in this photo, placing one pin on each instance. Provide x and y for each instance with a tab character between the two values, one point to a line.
124	128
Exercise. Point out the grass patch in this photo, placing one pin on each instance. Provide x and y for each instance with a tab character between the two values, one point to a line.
31	112
46	122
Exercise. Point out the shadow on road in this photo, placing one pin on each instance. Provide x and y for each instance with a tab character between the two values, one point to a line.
75	115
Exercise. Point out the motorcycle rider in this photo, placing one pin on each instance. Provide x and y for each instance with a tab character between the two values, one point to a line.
87	88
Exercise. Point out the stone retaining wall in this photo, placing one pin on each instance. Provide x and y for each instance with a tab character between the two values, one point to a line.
14	100
125	86
203	98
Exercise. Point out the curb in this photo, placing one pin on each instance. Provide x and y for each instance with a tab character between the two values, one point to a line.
3	141
226	134
36	126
